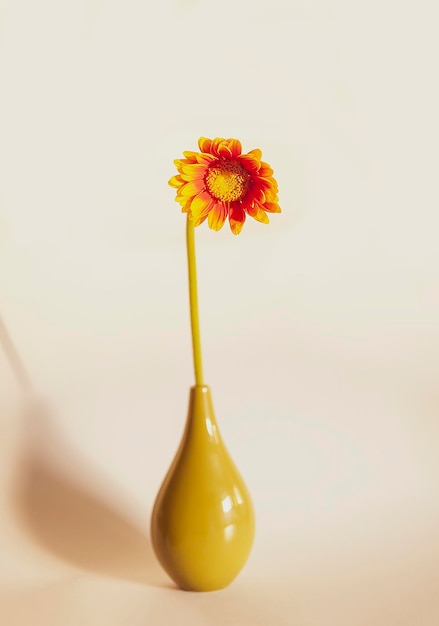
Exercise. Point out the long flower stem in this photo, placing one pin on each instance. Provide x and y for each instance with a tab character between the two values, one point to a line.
193	301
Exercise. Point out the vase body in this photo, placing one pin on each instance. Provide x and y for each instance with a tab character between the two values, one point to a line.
202	524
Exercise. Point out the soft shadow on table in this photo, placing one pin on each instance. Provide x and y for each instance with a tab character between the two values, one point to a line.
72	521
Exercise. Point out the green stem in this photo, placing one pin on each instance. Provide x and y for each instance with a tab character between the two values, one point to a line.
193	301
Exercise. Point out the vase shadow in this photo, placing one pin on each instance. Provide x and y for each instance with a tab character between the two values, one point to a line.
77	524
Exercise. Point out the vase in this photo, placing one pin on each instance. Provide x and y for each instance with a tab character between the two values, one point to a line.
202	524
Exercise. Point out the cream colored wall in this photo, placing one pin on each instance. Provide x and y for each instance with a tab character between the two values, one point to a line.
320	331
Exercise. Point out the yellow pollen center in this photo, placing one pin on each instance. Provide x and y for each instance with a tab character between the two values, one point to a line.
227	181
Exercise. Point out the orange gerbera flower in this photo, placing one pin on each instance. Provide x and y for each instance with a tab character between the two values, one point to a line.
220	182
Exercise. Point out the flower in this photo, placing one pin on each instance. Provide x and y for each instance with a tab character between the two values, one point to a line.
220	182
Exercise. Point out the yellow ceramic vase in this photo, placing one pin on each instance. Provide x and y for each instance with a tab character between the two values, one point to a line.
202	524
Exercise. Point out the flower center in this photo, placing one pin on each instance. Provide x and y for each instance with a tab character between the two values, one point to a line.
227	180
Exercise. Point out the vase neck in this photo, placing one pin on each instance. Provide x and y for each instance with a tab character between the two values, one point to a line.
201	419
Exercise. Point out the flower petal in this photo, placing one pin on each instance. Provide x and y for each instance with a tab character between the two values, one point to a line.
215	146
269	187
257	193
217	216
249	162
204	144
271	195
201	203
182	201
190	156
180	162
257	213
265	170
176	181
272	207
205	159
191	189
256	153
236	218
185	207
195	170
199	220
235	147
224	150
266	182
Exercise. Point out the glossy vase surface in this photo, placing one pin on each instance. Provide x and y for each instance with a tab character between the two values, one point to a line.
202	525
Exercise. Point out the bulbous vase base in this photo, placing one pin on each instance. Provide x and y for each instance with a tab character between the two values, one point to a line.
202	524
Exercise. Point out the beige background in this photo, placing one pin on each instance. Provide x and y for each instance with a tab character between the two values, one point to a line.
320	331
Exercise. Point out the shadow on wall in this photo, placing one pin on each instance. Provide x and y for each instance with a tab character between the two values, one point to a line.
71	521
67	518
